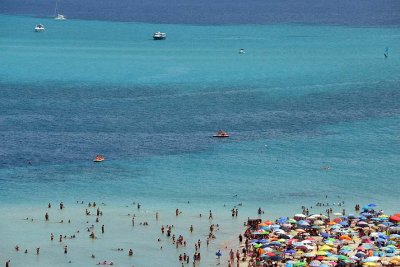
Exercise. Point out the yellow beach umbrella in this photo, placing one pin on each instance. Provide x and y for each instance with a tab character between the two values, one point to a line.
322	253
325	247
370	264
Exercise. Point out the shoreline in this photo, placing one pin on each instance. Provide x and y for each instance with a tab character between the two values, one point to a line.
145	235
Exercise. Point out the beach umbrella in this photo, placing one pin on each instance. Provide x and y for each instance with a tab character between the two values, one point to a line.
303	223
318	222
284	236
299	264
279	231
276	258
289	251
366	207
261	251
315	263
325	235
336	226
372	259
282	220
331	223
303	247
345	237
382	235
275	243
322	253
219	254
310	255
395	261
324	265
317	227
362	223
300	230
299	215
325	247
369	264
345	224
337	214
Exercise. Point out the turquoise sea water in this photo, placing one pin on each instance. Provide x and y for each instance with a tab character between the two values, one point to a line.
301	98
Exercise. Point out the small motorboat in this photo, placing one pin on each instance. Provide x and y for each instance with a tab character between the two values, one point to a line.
99	158
241	51
221	134
39	28
159	36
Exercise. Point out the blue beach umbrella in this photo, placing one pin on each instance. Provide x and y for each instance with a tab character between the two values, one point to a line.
275	243
282	220
325	235
219	254
276	258
303	223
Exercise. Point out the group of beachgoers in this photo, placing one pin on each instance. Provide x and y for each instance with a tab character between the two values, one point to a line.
168	233
62	237
367	238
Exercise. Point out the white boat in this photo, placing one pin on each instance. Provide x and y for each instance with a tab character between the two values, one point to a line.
39	28
58	16
241	51
159	36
